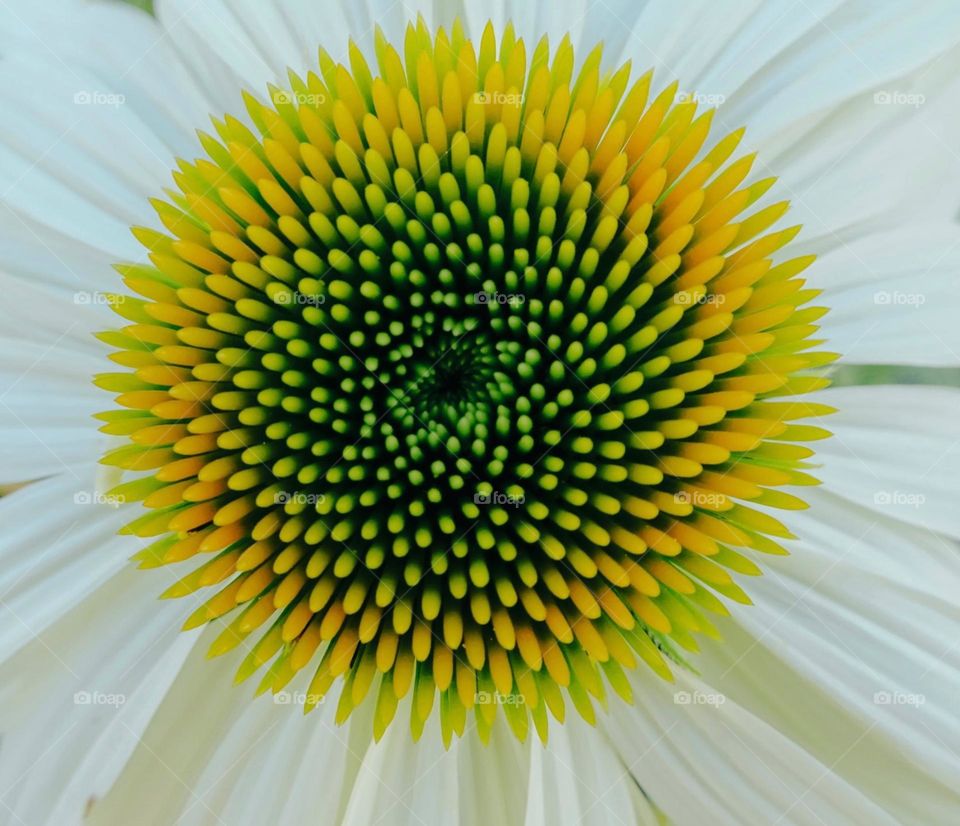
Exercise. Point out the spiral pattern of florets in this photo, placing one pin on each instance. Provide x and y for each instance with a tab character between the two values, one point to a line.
462	378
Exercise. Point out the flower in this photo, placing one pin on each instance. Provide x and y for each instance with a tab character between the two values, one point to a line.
457	408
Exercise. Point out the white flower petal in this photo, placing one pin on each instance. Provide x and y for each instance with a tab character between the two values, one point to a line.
58	546
25	24
851	651
405	783
213	751
91	143
231	46
892	296
705	759
47	396
896	452
86	652
510	774
76	176
802	79
578	778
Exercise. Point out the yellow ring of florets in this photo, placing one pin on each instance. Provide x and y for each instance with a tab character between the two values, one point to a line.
461	375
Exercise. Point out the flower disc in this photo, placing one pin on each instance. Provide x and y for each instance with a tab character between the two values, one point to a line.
463	379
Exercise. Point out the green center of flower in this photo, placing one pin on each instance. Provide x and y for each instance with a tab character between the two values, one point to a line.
458	378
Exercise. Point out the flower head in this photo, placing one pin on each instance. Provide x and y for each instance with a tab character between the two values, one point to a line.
465	376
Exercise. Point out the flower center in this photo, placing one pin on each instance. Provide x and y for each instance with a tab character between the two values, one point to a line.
461	381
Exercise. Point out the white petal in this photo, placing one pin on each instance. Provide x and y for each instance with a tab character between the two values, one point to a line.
578	778
212	750
892	297
405	783
47	395
802	79
510	773
75	177
58	546
851	651
247	44
707	760
896	452
86	652
91	144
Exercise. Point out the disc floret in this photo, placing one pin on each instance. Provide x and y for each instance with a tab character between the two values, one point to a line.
461	380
